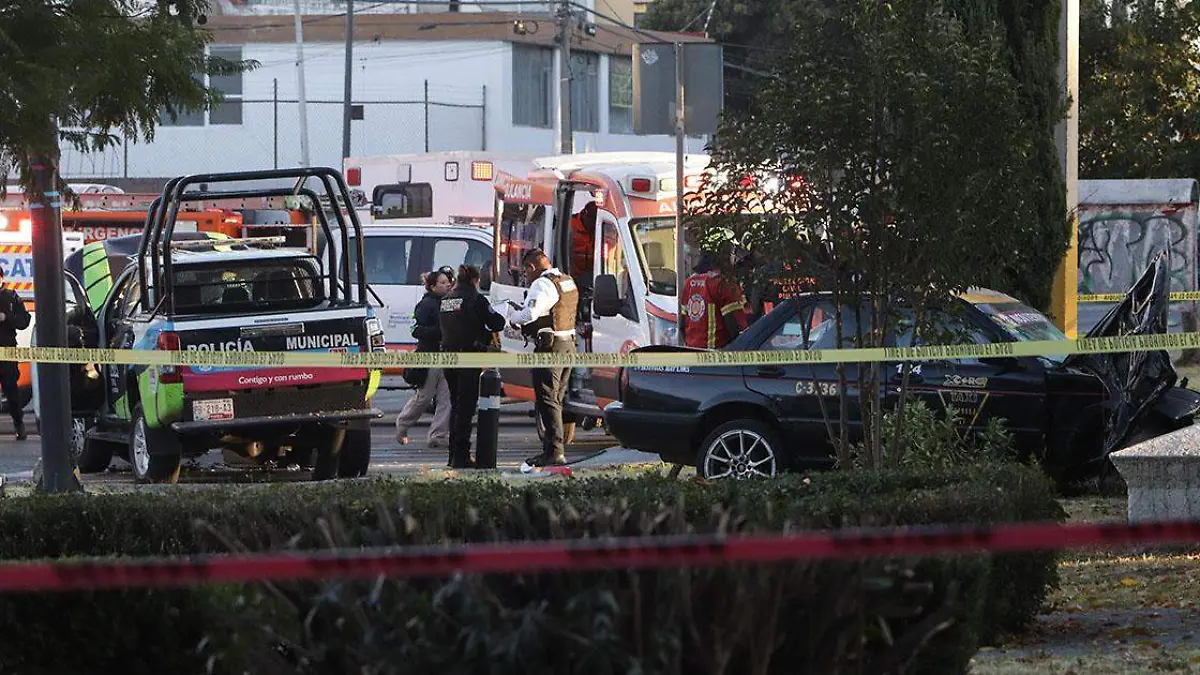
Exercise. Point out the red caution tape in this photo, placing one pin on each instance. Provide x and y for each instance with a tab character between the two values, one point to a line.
576	555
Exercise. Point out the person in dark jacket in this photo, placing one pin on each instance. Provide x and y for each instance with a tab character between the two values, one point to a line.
427	330
13	317
468	324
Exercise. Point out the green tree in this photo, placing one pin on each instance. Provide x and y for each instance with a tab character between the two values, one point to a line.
1139	89
890	165
757	35
76	71
80	70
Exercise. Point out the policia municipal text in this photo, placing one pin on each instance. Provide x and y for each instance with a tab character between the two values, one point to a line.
549	318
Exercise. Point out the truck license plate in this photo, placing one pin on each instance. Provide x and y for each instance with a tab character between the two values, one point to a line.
213	409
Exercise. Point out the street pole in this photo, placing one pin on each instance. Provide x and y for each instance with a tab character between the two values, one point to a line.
54	389
300	83
566	144
275	117
680	140
346	101
1064	307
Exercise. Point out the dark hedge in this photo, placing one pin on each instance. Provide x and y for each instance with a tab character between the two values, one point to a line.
867	616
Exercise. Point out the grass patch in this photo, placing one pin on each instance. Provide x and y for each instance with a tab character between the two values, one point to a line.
1094	509
1136	660
1122	581
1113	612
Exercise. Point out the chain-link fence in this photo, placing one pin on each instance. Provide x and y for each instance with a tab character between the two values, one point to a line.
261	134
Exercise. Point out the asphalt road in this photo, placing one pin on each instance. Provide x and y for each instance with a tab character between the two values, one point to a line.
518	440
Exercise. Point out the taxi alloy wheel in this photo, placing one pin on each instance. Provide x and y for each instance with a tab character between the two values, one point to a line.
740	449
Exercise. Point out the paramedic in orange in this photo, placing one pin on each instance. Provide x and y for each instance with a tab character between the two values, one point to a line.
583	243
715	311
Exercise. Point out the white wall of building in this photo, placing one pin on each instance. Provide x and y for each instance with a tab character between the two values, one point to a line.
389	80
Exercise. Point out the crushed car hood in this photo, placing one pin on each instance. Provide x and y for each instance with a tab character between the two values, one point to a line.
1134	380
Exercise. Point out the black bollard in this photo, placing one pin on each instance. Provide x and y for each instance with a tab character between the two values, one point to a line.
487	435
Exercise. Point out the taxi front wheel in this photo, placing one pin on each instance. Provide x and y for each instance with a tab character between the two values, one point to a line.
154	453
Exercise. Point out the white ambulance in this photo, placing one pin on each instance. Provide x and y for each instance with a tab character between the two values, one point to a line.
441	188
608	219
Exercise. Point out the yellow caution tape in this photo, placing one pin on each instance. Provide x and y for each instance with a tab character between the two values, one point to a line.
1139	343
1181	296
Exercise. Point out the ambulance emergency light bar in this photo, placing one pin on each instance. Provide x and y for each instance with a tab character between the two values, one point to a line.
481	170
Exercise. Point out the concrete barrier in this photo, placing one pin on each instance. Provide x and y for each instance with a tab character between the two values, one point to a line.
1162	476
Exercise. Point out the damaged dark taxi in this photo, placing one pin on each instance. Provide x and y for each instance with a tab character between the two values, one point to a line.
757	420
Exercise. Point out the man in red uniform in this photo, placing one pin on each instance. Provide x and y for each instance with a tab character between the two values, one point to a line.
715	312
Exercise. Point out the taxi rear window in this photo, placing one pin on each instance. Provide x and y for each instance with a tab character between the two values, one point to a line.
248	285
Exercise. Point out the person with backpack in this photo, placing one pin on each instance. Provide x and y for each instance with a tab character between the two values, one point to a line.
13	317
430	382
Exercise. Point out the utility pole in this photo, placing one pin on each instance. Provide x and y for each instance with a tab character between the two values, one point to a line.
300	83
54	389
346	102
566	142
680	149
1064	308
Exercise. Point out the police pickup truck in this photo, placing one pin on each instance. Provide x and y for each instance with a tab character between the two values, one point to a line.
231	295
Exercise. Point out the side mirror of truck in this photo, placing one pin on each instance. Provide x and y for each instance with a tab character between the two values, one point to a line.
606	299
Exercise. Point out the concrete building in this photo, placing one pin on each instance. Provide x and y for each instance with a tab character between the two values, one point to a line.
421	82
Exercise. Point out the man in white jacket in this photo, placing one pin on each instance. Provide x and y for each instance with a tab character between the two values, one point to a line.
549	319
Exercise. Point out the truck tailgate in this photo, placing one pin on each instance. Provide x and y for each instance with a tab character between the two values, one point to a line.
327	331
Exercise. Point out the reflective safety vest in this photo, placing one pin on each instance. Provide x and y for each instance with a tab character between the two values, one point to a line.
707	298
563	315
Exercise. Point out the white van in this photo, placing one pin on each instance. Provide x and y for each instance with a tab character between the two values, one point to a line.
397	255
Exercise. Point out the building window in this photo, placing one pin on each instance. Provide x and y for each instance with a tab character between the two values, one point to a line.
183	118
228	111
620	95
533	70
585	91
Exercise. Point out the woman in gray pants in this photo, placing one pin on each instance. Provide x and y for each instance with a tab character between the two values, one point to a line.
428	333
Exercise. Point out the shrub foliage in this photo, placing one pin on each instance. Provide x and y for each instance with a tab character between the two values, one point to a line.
878	615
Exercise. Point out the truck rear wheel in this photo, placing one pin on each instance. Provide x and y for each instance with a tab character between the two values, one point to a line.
355	456
327	442
154	453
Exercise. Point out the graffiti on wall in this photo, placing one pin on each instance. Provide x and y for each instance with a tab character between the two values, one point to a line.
1117	244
